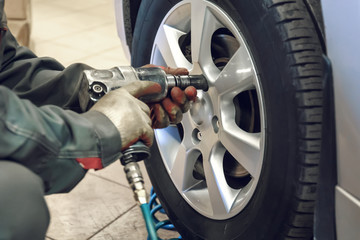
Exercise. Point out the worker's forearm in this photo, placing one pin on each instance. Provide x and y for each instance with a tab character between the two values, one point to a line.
49	140
41	80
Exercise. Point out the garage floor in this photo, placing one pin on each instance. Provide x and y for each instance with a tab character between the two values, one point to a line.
102	205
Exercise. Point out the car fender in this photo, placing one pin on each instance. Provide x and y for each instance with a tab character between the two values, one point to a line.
122	18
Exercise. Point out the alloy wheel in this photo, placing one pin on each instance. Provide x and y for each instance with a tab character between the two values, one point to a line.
215	155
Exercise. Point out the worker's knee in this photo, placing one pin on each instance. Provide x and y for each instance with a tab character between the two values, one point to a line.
23	211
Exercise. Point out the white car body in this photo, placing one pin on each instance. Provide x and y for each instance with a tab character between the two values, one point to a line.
342	27
120	24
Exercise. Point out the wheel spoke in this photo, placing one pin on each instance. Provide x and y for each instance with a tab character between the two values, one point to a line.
222	197
166	42
179	167
182	169
190	126
168	137
244	146
238	74
198	11
203	25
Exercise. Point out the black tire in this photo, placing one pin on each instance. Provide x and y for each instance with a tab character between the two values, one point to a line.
288	55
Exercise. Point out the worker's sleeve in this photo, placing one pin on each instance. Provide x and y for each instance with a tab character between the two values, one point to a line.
50	141
42	80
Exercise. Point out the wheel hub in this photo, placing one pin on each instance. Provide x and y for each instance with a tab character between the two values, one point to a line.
201	109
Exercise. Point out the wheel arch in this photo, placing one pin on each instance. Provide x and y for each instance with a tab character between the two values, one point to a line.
126	12
315	10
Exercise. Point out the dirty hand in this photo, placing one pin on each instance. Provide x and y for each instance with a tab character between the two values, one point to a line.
129	115
171	109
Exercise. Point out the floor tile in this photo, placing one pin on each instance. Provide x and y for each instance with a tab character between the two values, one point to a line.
49	30
104	59
61	53
129	227
115	173
82	20
45	11
105	11
79	5
66	25
92	205
92	41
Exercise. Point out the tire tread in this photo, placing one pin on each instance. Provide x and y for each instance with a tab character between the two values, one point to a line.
305	54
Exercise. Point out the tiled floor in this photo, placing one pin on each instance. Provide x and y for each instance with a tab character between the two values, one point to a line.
102	205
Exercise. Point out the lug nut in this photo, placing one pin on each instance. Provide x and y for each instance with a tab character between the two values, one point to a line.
199	136
196	136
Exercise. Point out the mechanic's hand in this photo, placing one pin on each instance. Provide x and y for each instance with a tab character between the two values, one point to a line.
171	109
129	115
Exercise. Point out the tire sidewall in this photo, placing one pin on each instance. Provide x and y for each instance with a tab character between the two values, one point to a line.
267	210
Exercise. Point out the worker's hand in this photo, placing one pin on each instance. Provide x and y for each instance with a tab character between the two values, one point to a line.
171	109
130	116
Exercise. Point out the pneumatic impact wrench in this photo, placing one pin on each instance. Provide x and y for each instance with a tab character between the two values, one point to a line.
102	82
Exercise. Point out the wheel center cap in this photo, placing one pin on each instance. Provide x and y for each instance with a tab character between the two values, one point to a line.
202	111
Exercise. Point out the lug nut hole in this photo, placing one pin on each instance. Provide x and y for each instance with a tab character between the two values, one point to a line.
196	136
215	124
